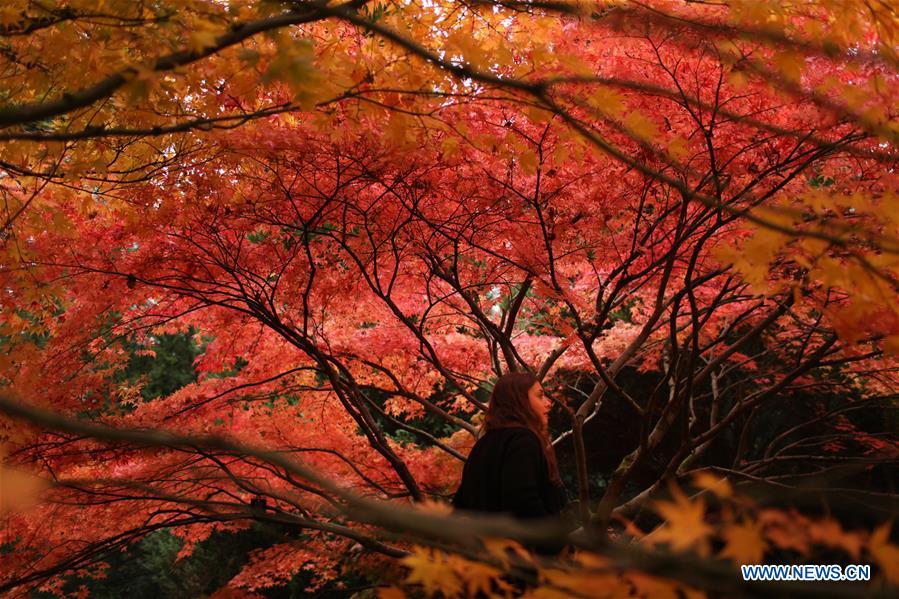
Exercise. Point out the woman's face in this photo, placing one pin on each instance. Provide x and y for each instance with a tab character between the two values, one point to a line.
539	402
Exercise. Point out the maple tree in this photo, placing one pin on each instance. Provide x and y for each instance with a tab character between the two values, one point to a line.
370	209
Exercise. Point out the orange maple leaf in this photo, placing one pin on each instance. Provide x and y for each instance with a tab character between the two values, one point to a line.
431	569
685	526
391	593
720	486
18	489
744	543
885	553
829	532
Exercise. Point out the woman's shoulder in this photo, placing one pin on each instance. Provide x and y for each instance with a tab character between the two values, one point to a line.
509	432
504	438
518	439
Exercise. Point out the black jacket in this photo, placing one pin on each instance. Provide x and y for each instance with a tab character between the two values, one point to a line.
506	472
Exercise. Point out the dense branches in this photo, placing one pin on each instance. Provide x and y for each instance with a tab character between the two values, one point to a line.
368	211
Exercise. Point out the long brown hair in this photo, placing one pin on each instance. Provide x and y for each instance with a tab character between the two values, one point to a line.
509	406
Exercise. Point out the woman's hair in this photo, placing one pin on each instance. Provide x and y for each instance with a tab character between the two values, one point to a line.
509	406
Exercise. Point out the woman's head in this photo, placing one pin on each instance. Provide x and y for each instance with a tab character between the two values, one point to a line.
513	402
518	400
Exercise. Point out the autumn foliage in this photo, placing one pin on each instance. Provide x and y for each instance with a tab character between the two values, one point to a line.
680	215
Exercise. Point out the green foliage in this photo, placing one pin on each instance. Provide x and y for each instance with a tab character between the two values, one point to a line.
171	368
258	236
819	181
623	312
239	363
148	569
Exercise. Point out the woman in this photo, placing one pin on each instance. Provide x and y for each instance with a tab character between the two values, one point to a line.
512	467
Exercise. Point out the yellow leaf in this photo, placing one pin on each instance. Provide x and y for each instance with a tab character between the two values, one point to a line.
449	146
140	85
640	126
295	65
18	489
685	526
391	593
538	115
677	147
787	531
430	568
885	553
606	584
397	128
11	431
528	160
608	101
58	223
477	576
813	248
204	37
891	345
463	44
691	593
577	65
500	549
591	560
756	256
829	532
547	593
745	544
11	13
560	154
831	272
790	65
652	587
720	486
729	52
434	507
738	79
